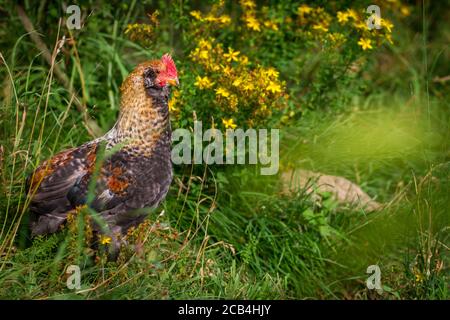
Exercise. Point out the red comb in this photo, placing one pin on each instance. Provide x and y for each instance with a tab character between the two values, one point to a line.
171	70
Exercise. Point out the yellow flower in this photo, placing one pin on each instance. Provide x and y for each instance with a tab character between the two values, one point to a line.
204	44
352	14
320	10
203	82
233	102
249	86
196	14
271	25
227	70
237	82
304	9
342	17
210	18
225	19
405	11
243	60
105	239
252	23
176	93
365	43
336	38
222	92
419	277
321	27
387	24
389	38
231	55
203	54
271	72
361	25
273	87
229	123
248	4
171	104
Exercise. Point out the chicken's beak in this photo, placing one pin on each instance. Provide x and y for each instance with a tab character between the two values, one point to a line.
173	82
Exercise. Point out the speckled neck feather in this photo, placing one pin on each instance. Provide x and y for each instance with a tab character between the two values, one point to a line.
143	117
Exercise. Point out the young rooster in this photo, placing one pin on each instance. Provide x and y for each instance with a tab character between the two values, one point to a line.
135	177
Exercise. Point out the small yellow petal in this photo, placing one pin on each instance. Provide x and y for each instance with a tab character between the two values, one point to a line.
105	239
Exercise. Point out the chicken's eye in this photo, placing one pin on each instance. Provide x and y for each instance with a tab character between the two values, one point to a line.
149	78
150	74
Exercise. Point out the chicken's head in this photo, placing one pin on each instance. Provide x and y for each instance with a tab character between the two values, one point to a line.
161	73
149	82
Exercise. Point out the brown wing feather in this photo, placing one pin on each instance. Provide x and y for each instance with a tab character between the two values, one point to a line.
51	181
125	186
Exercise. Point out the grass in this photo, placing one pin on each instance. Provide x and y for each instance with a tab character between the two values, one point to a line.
229	232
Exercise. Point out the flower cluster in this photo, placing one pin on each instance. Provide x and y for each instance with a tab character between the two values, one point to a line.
142	32
212	20
316	23
316	19
367	37
241	92
175	101
251	20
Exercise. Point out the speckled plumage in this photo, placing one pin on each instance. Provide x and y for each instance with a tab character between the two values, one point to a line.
135	177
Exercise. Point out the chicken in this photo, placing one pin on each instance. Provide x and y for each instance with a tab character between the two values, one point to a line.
135	177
